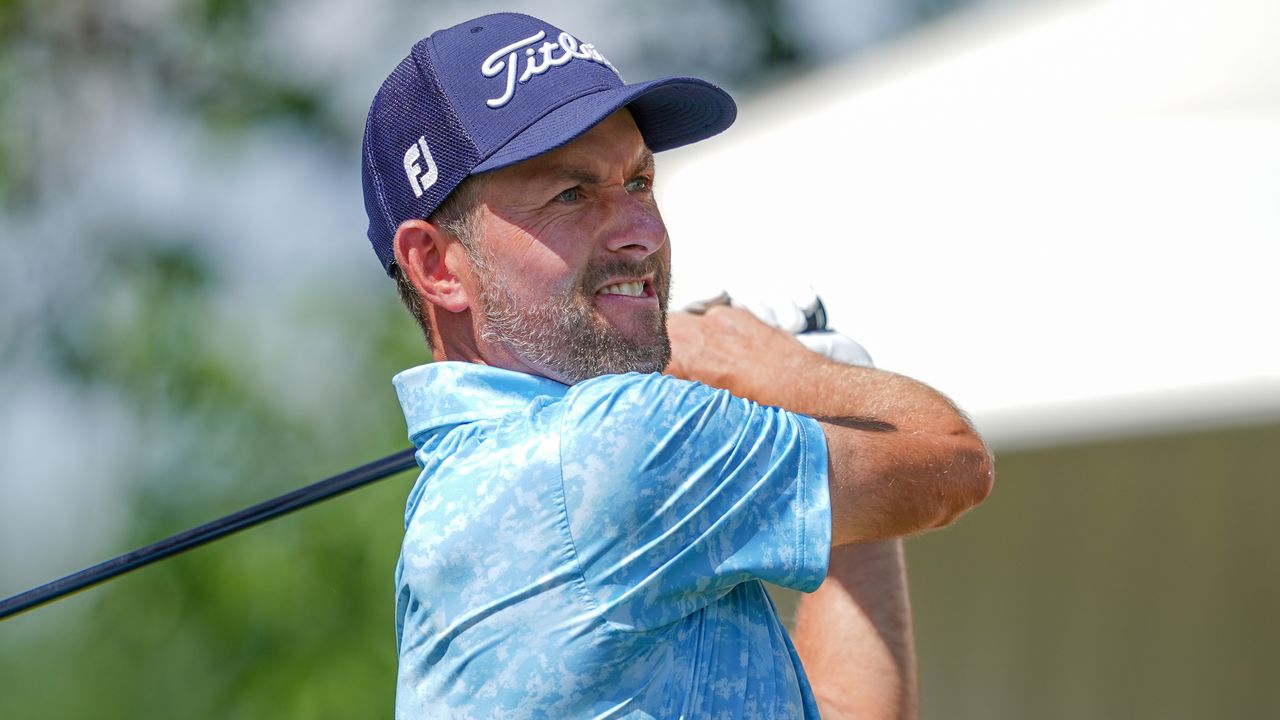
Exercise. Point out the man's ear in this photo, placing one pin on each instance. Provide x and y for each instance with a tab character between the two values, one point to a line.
423	253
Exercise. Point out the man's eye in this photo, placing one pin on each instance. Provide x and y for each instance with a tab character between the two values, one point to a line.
638	184
568	195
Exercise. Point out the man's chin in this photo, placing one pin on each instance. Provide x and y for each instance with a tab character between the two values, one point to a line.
639	337
575	341
607	350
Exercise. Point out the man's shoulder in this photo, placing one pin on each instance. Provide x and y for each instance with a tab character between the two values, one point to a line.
630	416
635	400
634	388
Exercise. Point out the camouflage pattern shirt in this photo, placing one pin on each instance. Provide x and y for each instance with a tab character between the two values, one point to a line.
598	551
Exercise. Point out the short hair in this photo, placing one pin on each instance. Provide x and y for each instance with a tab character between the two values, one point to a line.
458	214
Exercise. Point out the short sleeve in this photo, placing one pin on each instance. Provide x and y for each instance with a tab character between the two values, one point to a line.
676	492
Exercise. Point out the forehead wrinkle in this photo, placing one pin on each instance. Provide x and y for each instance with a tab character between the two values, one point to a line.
570	170
573	172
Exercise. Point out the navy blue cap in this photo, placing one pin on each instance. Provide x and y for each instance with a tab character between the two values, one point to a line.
495	91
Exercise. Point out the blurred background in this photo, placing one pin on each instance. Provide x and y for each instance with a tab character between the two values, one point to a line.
1064	213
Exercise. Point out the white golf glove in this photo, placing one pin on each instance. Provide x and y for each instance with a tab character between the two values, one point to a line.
841	348
800	312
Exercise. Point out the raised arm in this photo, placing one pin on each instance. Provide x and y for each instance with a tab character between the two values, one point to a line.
902	459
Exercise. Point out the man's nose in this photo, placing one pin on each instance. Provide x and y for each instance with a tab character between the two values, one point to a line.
634	228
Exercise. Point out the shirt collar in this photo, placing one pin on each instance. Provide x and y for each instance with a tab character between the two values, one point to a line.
448	393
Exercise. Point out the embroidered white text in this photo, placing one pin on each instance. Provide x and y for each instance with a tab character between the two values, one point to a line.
537	61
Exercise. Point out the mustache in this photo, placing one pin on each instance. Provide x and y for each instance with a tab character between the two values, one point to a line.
594	275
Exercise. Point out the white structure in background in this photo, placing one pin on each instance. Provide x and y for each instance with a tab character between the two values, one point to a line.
1067	216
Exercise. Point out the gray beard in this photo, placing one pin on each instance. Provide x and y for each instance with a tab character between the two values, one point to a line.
563	338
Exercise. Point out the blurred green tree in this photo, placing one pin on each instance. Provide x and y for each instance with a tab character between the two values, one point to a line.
290	620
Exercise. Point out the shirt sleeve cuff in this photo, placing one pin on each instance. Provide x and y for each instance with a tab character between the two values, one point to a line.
813	509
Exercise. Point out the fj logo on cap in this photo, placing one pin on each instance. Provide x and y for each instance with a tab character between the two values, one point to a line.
537	61
419	179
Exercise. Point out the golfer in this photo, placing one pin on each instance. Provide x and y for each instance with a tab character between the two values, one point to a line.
605	489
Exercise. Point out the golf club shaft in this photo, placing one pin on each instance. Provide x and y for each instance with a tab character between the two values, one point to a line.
209	532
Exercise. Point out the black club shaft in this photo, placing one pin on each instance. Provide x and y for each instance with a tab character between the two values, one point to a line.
197	536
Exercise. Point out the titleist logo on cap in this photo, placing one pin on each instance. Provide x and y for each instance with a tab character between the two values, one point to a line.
537	61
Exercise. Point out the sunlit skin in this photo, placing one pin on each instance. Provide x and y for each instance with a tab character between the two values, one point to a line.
548	224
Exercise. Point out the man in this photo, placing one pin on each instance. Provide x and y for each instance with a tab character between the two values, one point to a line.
589	535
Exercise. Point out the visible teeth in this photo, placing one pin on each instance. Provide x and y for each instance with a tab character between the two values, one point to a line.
633	289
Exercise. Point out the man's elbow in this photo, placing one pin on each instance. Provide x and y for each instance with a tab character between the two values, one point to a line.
967	481
904	491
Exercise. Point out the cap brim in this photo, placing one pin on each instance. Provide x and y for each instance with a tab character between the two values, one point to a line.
669	112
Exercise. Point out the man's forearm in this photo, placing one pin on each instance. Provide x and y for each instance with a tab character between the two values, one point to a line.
854	635
901	457
727	348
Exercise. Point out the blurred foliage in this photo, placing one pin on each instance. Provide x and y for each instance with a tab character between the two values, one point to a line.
780	46
293	619
288	620
201	56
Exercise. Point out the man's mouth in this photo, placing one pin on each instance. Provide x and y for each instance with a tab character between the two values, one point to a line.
629	288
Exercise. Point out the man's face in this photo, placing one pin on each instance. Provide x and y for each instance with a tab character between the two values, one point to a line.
572	261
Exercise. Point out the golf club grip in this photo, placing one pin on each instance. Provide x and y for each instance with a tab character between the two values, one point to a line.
197	536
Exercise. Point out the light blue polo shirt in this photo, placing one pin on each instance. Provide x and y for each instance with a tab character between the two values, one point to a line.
597	551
